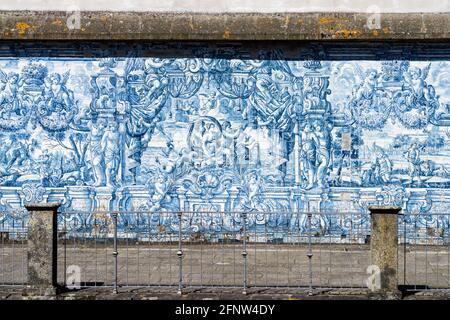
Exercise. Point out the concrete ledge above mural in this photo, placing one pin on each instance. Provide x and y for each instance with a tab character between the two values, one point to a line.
224	127
74	24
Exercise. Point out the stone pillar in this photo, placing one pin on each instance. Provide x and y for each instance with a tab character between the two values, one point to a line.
42	248
384	246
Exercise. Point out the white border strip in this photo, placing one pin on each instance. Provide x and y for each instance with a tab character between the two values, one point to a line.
232	6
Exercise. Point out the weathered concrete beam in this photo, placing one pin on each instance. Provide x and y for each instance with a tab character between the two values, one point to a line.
98	25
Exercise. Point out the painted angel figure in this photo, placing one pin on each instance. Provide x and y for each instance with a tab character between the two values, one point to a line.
415	79
368	87
9	87
56	96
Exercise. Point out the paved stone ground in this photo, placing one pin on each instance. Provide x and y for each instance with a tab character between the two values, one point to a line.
222	265
16	293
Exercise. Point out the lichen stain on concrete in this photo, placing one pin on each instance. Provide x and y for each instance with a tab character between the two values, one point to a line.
286	22
58	22
345	33
226	34
22	27
331	20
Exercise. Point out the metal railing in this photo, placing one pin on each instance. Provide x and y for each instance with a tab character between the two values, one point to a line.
424	251
215	249
244	250
13	247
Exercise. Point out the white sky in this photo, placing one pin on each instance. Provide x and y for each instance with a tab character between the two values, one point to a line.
363	6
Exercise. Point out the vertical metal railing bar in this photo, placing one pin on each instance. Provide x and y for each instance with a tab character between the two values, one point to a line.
300	257
405	248
169	257
223	251
437	257
255	253
320	256
212	251
13	255
127	232
360	234
115	252
275	245
438	236
180	256
64	248
288	261
265	248
159	258
363	234
190	252
105	246
149	241
22	253
85	236
138	253
2	261
154	257
234	258
212	255
220	259
172	237
426	252
94	229
2	258
415	253
310	255
74	244
448	250
244	250
350	244
329	259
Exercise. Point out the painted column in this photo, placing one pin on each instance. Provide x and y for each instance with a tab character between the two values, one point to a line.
42	248
316	133
110	114
315	137
298	178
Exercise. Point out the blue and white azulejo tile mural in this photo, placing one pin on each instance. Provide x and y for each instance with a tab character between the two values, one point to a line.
207	131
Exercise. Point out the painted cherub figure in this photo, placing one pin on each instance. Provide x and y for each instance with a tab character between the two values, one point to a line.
57	97
9	85
415	79
367	89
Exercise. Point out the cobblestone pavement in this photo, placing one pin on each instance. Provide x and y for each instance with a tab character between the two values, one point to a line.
222	265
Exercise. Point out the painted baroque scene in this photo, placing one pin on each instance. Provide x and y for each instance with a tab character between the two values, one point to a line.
213	134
